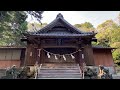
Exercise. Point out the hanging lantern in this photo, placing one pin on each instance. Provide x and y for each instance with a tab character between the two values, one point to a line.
64	57
30	53
56	57
48	54
72	56
82	56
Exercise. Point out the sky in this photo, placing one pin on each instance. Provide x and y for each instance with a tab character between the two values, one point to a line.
78	17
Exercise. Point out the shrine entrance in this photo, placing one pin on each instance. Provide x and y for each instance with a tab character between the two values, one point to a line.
60	49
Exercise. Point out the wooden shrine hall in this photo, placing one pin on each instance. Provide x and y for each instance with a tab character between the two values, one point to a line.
59	42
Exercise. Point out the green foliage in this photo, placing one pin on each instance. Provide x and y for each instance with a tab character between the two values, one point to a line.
94	43
109	35
87	27
36	14
116	54
108	24
103	38
35	26
12	25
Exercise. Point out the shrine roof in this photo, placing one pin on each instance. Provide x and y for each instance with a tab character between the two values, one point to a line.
59	26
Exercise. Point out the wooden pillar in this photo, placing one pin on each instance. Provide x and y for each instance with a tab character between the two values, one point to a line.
81	60
88	54
30	55
22	57
27	55
77	57
79	54
39	55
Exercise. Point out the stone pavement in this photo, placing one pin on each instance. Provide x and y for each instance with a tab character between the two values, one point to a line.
116	76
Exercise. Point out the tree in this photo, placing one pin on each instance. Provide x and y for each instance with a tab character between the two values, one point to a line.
109	35
36	14
87	27
108	24
106	33
117	19
35	26
13	24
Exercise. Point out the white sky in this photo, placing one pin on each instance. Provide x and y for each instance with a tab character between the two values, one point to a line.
78	17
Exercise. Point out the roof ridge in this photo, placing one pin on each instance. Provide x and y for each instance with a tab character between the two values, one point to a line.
59	15
60	18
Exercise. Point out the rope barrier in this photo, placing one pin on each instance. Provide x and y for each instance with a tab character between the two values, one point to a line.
63	54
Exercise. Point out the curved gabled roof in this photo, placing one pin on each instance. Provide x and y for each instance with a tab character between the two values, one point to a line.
60	23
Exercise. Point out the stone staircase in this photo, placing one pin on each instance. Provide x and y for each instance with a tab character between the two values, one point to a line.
59	71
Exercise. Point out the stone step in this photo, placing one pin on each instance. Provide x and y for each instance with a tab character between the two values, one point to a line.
59	68
59	76
59	71
59	65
